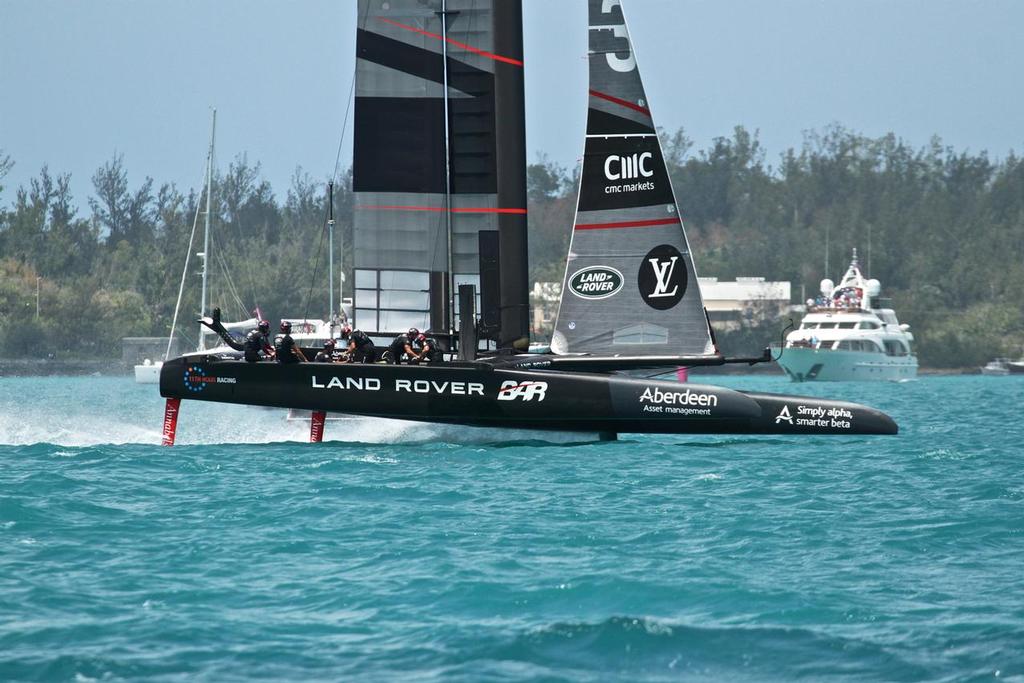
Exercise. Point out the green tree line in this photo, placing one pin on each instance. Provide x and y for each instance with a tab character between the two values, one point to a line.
942	229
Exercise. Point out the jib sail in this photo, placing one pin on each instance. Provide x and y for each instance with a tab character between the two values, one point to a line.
424	189
630	287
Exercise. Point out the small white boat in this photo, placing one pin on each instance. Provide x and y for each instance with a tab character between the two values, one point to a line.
997	367
844	337
148	372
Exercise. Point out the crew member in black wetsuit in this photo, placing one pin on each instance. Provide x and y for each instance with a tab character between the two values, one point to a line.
360	346
402	346
428	350
285	348
257	343
328	354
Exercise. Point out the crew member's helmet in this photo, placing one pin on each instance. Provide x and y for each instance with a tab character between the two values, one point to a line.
286	327
329	344
346	331
264	326
413	333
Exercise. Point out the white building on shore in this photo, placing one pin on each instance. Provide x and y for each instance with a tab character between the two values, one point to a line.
752	298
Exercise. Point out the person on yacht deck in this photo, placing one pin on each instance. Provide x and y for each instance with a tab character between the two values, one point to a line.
285	348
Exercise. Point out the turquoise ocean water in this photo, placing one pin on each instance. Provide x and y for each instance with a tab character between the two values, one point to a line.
405	552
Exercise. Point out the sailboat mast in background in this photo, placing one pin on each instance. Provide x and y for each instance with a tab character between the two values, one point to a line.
206	231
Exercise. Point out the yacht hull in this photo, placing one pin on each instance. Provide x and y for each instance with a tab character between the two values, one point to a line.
805	365
480	395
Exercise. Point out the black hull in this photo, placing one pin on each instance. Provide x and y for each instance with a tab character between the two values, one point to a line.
480	395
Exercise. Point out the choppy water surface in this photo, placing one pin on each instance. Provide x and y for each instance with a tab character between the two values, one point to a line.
414	552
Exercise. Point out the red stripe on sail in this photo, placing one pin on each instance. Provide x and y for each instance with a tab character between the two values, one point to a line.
470	209
621	102
628	224
464	46
441	209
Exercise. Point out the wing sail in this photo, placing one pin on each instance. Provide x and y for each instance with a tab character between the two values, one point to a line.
413	176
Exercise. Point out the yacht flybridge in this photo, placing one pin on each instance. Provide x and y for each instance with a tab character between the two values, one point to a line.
845	336
439	174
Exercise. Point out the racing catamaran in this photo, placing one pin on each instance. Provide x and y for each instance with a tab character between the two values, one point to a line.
439	176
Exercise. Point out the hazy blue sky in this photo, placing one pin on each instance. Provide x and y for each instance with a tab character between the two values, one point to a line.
83	80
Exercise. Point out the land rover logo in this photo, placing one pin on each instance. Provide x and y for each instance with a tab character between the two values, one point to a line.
595	282
662	278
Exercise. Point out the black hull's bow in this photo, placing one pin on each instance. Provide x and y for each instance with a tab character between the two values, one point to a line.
477	394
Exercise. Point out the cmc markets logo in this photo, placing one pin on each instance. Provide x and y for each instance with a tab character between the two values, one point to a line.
512	390
195	378
662	278
629	167
595	282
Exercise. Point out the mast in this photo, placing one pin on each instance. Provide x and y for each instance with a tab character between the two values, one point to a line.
449	317
510	142
869	251
826	248
330	254
206	229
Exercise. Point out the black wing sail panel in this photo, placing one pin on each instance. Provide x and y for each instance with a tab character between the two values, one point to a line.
399	158
630	287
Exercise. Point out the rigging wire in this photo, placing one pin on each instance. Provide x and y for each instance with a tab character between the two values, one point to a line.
231	288
334	179
316	270
344	125
248	269
247	262
184	273
348	103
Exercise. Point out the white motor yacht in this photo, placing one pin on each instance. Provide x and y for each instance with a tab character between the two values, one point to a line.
845	337
997	367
